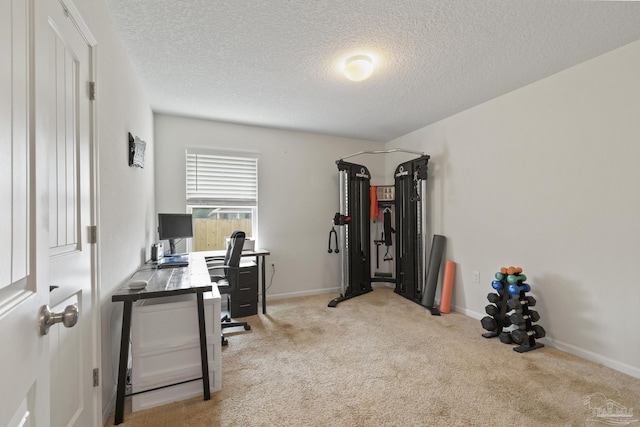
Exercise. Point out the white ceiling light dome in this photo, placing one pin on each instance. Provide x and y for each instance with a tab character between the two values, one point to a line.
358	67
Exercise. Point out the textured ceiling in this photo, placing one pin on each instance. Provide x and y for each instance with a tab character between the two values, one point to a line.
276	63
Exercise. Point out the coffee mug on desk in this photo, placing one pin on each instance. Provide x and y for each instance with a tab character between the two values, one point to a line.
157	251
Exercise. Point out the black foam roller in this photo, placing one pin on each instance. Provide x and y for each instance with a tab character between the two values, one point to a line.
435	259
387	228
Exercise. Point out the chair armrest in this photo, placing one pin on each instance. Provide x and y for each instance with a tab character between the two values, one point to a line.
216	265
217	272
232	270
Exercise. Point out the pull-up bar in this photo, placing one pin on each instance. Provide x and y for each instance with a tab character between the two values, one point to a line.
393	150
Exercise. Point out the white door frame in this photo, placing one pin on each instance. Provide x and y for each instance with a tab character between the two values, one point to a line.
83	29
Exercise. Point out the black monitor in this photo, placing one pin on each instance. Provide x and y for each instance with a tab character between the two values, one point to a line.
173	226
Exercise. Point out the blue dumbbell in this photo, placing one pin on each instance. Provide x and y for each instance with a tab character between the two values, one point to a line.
515	289
497	285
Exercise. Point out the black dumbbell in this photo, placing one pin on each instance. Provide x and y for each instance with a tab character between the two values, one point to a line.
489	323
494	298
505	337
517	318
520	336
514	303
492	310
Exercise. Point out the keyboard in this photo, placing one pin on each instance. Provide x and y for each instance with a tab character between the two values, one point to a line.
173	261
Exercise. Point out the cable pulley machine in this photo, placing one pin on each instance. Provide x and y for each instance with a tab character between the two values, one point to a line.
387	241
410	202
354	229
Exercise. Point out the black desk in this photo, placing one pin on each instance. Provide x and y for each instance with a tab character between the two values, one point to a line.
162	283
260	255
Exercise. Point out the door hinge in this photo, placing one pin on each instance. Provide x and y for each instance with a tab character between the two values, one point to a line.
93	234
96	377
92	91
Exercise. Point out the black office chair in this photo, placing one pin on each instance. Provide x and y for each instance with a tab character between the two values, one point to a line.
225	273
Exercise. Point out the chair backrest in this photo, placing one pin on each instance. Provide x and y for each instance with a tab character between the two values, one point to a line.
234	251
232	259
230	267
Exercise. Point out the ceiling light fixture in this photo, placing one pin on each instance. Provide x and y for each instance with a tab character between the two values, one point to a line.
358	68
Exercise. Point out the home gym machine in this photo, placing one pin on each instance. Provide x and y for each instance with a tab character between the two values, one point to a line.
411	240
353	242
355	231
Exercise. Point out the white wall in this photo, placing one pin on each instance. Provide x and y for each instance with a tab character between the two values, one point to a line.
547	177
298	191
126	195
552	164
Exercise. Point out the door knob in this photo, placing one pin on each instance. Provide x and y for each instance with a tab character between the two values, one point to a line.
46	318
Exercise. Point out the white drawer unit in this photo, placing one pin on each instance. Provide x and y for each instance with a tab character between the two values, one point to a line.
165	348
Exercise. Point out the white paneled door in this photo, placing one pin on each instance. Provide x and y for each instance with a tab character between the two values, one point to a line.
72	350
47	217
24	359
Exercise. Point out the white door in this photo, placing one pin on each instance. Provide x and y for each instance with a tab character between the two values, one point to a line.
24	357
43	380
73	355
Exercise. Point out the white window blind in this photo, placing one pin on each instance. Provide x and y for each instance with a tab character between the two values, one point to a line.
222	179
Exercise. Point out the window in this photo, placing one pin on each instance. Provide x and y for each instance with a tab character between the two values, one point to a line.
222	195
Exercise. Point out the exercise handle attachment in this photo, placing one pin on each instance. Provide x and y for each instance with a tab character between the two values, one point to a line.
335	239
339	219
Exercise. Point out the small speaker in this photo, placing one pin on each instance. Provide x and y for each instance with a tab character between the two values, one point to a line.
157	251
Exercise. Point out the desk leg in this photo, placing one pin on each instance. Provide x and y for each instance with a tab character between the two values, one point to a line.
264	287
124	358
203	347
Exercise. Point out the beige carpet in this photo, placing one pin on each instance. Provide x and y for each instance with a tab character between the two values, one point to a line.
381	360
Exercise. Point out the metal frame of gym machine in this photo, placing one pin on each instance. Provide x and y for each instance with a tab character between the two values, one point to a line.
410	179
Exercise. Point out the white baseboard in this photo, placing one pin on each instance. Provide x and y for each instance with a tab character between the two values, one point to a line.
109	407
309	293
594	357
468	313
321	291
572	349
383	285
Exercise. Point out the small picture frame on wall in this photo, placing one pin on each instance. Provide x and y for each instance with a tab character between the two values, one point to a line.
136	151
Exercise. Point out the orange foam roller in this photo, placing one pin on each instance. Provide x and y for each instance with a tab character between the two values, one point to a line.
447	287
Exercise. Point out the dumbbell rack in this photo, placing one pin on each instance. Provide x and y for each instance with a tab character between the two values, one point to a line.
497	318
511	295
523	318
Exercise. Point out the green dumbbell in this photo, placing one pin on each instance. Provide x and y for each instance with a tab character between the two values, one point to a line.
515	278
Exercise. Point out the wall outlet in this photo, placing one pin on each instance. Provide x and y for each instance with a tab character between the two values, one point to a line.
476	277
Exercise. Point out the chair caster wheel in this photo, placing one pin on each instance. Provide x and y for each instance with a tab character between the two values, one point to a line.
247	327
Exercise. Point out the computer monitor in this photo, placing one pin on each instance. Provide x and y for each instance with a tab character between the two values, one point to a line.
173	227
